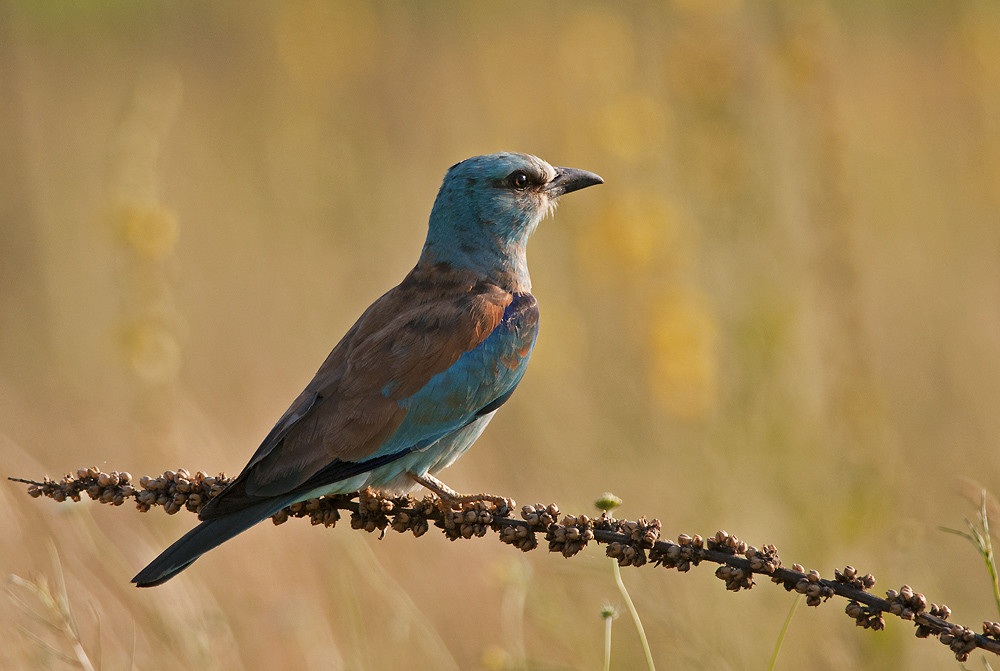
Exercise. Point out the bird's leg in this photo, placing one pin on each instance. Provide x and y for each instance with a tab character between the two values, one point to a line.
453	499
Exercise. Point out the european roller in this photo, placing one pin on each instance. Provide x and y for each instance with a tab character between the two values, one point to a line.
415	381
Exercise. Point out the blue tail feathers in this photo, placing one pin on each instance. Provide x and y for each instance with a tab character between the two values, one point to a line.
201	539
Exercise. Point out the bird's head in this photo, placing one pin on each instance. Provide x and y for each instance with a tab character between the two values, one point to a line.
488	206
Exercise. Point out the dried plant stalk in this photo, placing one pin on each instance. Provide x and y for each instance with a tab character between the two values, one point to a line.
630	542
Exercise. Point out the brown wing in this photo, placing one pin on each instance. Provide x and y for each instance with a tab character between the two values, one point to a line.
402	340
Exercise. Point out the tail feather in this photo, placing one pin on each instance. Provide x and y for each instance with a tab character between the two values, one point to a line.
201	539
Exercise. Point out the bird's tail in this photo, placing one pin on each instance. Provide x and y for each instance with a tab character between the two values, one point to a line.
203	538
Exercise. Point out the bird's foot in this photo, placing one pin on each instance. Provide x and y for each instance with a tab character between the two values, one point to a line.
449	499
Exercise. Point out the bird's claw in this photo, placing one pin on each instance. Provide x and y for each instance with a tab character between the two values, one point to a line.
449	499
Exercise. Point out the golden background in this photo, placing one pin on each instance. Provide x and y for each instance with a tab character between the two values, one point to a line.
780	315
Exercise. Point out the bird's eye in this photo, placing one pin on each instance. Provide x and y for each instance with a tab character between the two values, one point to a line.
518	179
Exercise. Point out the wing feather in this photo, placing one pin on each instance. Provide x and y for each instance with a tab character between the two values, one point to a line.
351	407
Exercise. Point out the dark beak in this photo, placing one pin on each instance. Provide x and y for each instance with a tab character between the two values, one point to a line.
571	179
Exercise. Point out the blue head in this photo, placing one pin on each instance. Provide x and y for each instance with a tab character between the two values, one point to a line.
488	206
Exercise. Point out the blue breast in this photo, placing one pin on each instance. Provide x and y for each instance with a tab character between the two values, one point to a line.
480	381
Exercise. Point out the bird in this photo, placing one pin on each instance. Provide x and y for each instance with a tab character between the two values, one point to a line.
413	384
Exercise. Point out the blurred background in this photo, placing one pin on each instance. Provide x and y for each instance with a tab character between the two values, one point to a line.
780	315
